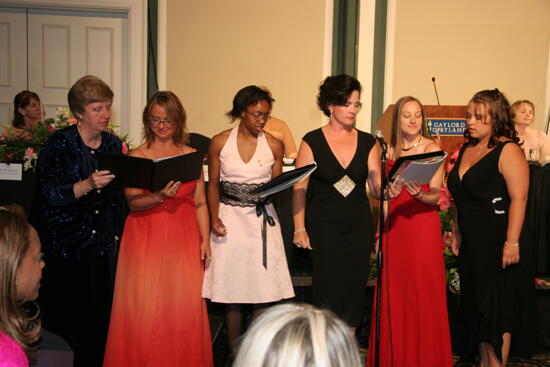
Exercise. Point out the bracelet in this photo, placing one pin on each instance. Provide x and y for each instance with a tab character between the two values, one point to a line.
297	230
80	190
419	195
513	244
153	195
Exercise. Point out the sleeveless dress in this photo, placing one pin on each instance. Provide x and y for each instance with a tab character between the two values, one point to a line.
236	273
493	300
339	225
159	317
414	326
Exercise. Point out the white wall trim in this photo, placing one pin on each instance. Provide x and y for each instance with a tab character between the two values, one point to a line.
162	31
390	53
137	46
327	50
547	96
365	60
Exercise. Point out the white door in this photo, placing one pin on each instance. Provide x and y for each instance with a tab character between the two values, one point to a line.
66	45
13	59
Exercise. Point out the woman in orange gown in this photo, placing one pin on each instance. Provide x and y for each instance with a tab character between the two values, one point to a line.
159	317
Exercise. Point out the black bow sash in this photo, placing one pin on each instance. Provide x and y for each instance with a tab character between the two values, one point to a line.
239	198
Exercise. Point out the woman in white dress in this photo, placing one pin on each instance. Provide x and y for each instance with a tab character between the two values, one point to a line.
248	264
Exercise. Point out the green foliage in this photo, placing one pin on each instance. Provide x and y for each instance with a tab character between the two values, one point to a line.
24	145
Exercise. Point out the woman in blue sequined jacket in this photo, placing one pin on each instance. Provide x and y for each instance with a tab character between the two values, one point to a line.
80	214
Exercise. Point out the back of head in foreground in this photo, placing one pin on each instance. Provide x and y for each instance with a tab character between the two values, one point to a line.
298	335
20	272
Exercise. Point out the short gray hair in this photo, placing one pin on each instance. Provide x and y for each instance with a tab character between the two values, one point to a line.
298	335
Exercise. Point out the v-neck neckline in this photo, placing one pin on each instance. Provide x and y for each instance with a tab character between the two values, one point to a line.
461	178
255	149
334	155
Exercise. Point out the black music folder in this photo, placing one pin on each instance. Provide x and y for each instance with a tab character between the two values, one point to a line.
151	174
285	180
417	167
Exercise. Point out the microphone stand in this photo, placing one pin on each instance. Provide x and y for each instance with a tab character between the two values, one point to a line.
379	256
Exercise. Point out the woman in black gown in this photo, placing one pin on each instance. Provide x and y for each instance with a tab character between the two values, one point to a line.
336	220
489	184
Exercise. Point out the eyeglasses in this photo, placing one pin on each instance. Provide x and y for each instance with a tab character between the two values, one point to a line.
155	121
260	116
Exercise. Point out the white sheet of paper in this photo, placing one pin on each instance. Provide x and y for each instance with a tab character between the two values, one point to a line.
11	172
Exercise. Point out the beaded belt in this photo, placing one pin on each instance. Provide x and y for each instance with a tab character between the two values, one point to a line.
236	194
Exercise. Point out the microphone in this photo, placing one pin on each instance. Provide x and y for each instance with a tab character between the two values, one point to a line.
380	137
435	88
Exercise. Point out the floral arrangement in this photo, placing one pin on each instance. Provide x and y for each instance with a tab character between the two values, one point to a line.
23	145
445	206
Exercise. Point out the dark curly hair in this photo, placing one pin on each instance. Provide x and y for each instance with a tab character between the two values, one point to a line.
501	113
248	96
336	90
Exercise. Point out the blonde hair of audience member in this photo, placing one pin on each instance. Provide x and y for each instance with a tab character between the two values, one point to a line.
535	143
298	335
20	273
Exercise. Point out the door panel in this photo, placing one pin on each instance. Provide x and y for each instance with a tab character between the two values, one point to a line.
13	59
63	48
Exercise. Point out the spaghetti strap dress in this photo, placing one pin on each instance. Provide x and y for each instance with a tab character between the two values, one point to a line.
494	300
414	326
159	317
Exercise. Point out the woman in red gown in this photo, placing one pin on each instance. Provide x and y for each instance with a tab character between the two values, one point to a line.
414	326
159	317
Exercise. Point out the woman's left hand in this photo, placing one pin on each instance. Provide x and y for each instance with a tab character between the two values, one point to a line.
413	187
510	255
206	253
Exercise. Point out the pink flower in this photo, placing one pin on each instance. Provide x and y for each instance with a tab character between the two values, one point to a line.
445	198
448	238
9	158
51	128
72	121
26	136
124	148
29	153
452	160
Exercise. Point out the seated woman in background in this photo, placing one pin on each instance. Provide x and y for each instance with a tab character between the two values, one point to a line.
21	263
159	317
535	143
413	303
27	110
298	335
279	129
